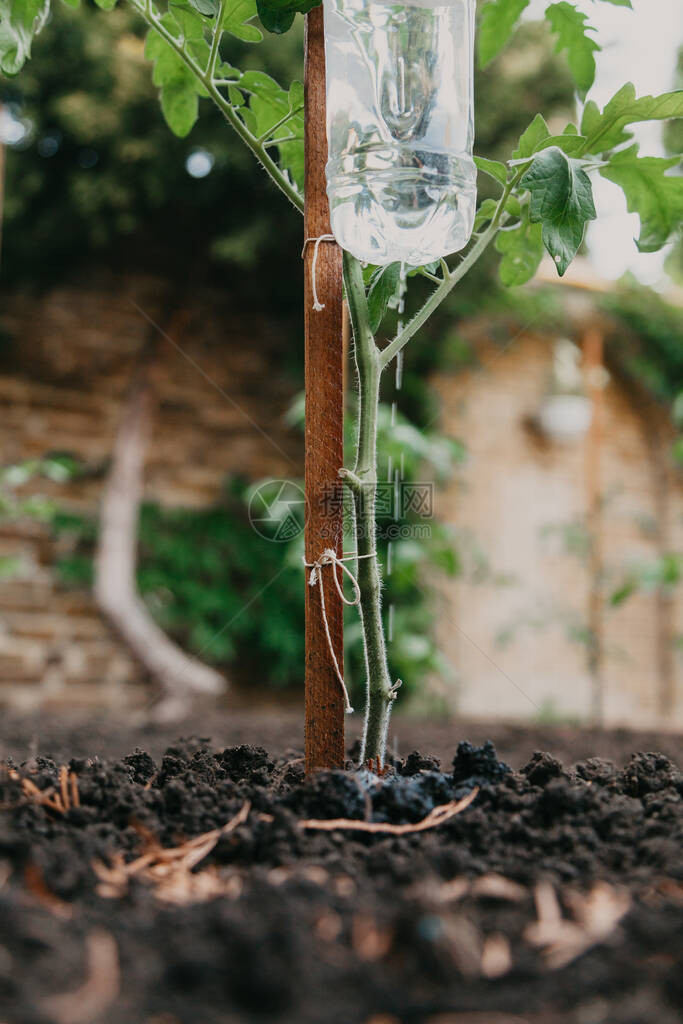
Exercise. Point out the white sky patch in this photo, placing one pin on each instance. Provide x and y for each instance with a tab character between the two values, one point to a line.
638	46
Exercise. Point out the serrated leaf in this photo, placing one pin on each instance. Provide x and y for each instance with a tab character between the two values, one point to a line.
180	107
249	119
531	138
269	102
296	95
179	87
200	51
572	145
485	213
498	21
235	16
522	250
654	195
383	287
275	18
561	200
168	66
235	96
571	28
20	21
206	7
605	130
190	23
493	168
278	15
619	3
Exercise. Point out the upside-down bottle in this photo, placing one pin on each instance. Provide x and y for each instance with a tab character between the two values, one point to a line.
400	176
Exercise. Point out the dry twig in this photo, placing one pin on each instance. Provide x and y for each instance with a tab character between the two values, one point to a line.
61	800
170	870
436	817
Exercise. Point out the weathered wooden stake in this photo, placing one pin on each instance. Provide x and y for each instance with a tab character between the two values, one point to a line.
324	422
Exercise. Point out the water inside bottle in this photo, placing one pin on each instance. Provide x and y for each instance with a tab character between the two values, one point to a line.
401	181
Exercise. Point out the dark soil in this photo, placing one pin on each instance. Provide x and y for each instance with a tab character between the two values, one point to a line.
307	926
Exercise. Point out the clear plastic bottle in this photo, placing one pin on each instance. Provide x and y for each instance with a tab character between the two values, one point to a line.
400	176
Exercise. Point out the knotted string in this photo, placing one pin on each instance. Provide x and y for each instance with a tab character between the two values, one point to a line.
330	557
317	304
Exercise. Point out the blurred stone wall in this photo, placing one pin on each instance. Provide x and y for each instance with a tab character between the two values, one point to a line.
517	638
66	361
513	626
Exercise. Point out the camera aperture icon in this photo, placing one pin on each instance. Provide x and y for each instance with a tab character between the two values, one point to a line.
277	510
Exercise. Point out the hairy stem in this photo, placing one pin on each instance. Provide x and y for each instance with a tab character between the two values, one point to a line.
363	485
206	77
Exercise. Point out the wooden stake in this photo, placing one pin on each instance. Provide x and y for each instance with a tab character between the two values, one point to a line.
324	422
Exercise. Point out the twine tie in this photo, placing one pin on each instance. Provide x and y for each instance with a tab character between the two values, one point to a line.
330	557
317	304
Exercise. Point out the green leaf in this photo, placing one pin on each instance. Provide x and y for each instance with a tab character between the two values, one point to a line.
657	197
619	3
296	95
561	200
569	25
189	22
498	21
20	21
275	18
383	287
572	145
485	213
180	107
269	103
531	138
235	96
493	168
179	87
278	15
106	5
225	71
522	250
72	3
606	130
235	14
206	7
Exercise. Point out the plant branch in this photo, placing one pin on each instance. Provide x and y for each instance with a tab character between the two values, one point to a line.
216	42
453	276
250	140
278	124
280	141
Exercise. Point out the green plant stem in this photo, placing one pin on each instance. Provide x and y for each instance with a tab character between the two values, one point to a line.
206	78
278	124
363	484
452	278
216	42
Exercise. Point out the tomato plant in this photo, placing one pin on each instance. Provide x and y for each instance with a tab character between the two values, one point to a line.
544	204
